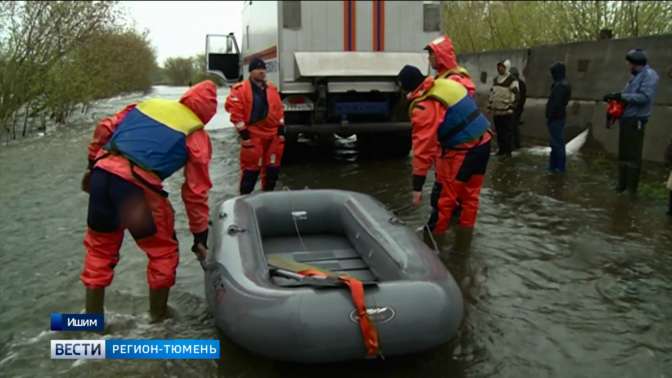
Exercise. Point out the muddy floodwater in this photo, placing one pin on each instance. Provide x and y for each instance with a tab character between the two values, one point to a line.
565	278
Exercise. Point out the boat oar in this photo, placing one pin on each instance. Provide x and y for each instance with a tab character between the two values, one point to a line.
295	266
297	271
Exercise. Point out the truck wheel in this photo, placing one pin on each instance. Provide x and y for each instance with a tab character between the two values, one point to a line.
398	144
291	153
389	144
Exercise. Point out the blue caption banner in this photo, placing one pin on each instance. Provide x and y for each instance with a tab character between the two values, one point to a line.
119	349
77	322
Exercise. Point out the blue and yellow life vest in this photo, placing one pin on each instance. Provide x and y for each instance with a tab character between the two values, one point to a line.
154	136
463	121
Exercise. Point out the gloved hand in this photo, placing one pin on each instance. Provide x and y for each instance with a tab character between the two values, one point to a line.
416	198
613	96
200	247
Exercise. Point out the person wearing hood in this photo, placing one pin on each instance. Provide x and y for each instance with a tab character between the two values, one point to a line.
131	153
638	96
556	112
442	113
258	114
502	104
443	60
520	106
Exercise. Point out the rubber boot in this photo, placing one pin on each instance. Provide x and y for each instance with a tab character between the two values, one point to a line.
633	180
158	304
622	178
463	237
95	301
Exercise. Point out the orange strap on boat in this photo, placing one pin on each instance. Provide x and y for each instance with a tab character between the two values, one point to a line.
368	329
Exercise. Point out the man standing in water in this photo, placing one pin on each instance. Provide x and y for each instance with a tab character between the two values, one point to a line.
556	112
258	115
520	106
443	59
501	104
464	145
131	154
638	96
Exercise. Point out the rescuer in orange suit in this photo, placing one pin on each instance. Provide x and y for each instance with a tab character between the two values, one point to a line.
257	113
442	113
443	59
130	155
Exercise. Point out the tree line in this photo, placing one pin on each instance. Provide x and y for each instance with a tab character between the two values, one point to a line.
59	56
185	71
476	26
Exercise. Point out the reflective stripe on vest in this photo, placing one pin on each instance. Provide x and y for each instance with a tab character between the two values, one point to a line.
154	134
463	122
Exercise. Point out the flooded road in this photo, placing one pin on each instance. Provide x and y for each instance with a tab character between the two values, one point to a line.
565	278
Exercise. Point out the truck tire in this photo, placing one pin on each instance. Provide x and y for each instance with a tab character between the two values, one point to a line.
388	144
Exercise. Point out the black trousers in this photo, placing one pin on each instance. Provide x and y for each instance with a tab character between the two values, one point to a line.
630	146
515	134
504	129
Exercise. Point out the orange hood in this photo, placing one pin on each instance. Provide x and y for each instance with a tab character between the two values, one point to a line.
202	100
444	52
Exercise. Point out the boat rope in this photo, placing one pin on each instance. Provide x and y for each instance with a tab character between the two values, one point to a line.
298	233
431	237
295	215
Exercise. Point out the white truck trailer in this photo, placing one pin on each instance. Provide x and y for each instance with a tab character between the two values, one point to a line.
334	62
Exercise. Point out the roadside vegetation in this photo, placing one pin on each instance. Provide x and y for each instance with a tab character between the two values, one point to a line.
476	26
56	57
182	71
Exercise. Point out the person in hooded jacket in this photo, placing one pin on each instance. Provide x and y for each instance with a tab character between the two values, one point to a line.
130	155
443	60
502	104
638	96
556	112
520	106
442	113
258	114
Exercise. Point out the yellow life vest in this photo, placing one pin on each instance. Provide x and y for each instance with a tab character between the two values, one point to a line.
448	92
172	114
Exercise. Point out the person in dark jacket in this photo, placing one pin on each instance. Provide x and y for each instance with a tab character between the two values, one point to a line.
638	96
520	106
556	107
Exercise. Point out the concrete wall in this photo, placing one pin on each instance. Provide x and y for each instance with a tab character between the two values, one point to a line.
593	69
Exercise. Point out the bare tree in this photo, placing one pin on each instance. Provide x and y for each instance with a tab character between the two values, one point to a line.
35	36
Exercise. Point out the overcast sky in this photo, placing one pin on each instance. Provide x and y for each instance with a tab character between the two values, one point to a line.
178	28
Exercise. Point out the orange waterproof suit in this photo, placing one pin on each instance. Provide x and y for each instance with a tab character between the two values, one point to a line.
130	155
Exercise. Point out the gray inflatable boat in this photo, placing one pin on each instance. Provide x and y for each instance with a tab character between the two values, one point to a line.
261	298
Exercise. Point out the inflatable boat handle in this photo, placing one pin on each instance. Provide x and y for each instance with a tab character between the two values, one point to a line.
235	229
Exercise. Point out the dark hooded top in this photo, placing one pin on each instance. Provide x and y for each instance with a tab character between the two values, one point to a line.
561	92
